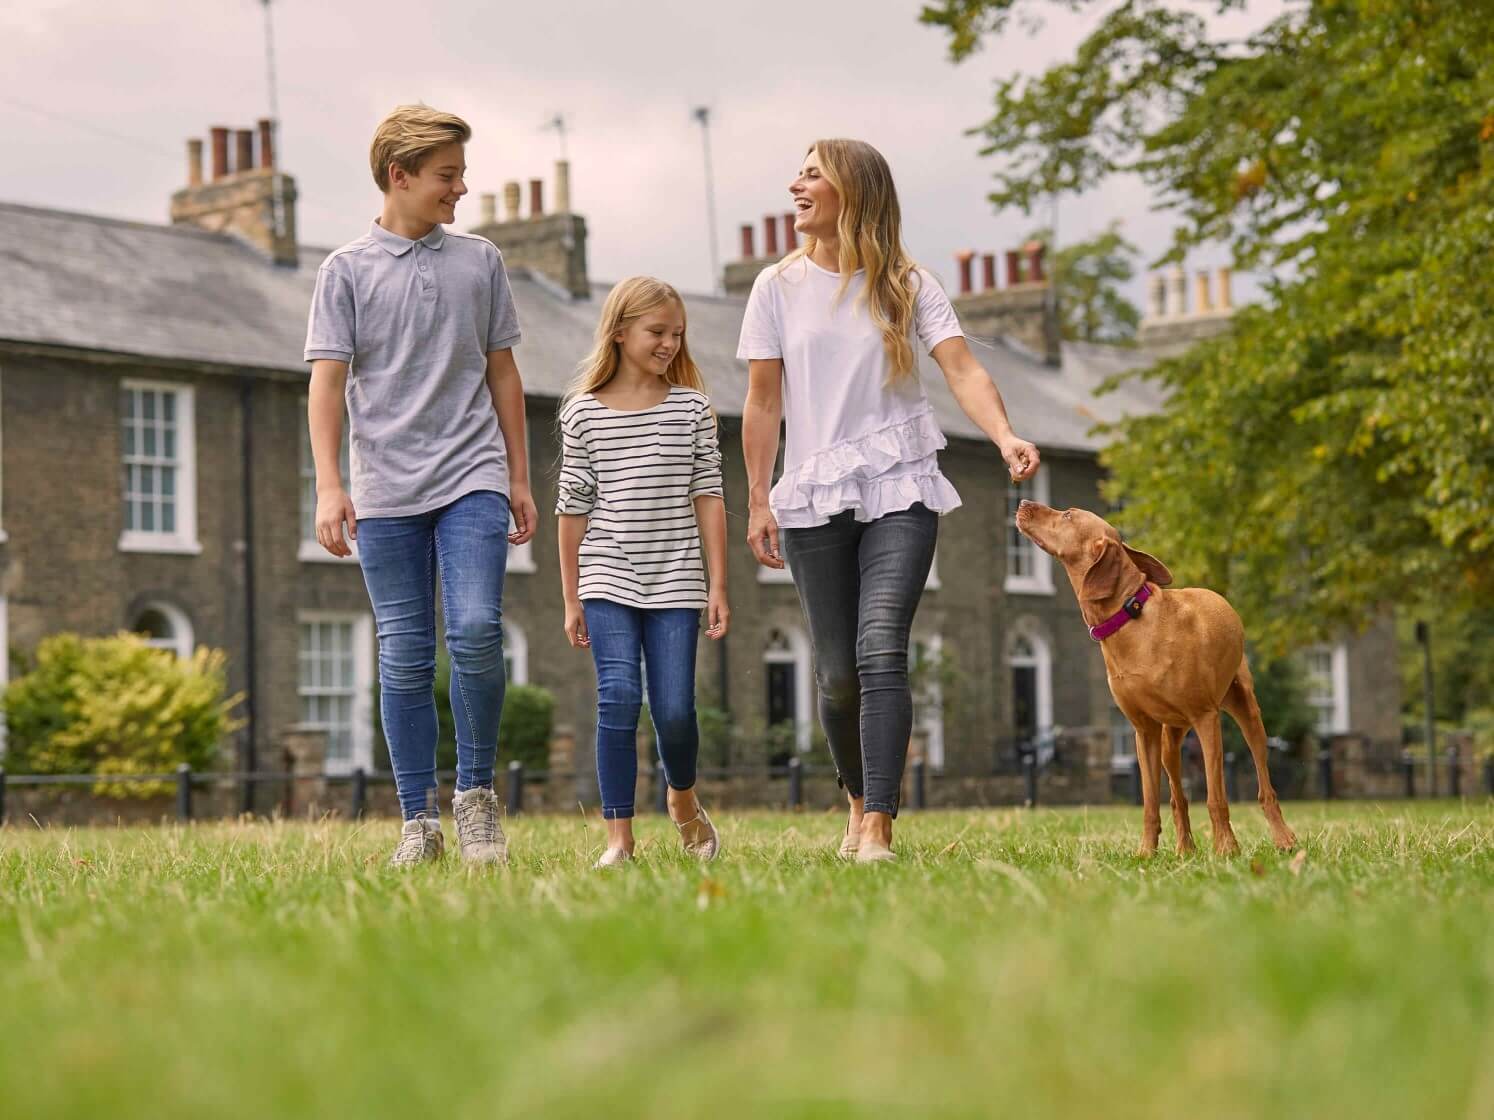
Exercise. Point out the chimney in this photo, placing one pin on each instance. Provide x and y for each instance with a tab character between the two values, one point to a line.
963	259
749	248
790	236
1202	303
1226	297
1023	311
550	247
256	205
1177	292
244	155
1169	328
220	153
770	236
266	145
194	163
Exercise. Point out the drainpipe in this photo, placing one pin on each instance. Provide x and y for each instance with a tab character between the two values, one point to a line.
246	469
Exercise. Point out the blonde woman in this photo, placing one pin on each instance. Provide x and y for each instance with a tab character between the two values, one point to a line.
640	486
828	335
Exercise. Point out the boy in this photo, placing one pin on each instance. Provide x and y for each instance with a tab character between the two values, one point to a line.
412	331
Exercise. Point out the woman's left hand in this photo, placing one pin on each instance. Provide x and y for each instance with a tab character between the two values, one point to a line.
718	615
1021	457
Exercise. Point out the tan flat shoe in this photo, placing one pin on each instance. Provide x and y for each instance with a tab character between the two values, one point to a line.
874	853
848	845
703	850
612	857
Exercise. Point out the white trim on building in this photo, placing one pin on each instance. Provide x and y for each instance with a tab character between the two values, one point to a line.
158	480
789	646
334	683
171	629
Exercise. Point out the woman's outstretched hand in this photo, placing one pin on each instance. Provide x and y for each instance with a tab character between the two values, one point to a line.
1021	457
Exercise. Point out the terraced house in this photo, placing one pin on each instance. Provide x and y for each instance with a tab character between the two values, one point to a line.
155	475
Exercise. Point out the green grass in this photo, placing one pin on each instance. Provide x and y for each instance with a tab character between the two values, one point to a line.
1014	963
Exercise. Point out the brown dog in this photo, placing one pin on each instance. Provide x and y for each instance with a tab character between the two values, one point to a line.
1175	661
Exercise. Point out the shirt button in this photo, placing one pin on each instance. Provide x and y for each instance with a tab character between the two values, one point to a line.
422	268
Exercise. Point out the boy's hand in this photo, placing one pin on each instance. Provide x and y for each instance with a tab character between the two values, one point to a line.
575	626
523	515
333	508
718	614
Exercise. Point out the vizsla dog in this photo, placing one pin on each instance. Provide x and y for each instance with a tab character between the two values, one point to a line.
1174	659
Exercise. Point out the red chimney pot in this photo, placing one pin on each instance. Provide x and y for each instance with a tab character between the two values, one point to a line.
964	257
790	237
1013	267
266	145
748	249
220	152
244	156
988	271
770	236
1035	251
536	198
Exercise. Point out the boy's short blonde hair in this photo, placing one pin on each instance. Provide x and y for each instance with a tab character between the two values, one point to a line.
409	135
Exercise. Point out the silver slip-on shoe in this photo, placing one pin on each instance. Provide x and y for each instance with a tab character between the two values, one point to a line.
420	841
480	837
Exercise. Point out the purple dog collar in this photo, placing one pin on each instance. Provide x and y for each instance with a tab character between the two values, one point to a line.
1131	610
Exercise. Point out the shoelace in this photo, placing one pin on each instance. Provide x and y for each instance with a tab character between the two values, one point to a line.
411	844
480	816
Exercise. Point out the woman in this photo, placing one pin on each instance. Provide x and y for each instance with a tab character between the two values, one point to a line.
827	335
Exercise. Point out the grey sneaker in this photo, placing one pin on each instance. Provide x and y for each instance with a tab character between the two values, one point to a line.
479	835
420	841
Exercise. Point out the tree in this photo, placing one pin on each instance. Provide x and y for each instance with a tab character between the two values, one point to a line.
1088	275
1332	453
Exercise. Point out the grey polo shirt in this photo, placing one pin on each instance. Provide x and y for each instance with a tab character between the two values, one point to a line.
415	321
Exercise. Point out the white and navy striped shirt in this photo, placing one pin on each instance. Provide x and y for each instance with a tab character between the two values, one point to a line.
635	475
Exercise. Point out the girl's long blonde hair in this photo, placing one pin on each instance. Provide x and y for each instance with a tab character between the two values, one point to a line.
870	229
628	301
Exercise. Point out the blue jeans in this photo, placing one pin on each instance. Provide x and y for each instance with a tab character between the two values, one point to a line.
467	543
664	640
859	584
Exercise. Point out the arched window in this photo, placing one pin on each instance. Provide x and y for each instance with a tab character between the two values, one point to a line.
164	626
787	665
1031	663
515	653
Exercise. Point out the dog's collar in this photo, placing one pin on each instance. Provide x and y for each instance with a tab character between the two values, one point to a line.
1131	609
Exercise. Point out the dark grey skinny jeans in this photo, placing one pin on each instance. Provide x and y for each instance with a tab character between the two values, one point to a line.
859	583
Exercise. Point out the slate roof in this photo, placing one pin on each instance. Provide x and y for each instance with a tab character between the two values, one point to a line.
177	293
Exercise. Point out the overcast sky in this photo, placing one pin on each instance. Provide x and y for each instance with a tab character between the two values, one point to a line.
97	99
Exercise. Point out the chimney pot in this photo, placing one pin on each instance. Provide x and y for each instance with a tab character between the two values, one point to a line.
1156	307
511	201
1226	297
244	156
749	251
964	258
790	237
1203	303
220	152
267	144
562	186
1035	251
1013	268
1177	292
536	198
770	236
988	271
489	208
194	163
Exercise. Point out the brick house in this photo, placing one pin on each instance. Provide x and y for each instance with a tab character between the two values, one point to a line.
155	475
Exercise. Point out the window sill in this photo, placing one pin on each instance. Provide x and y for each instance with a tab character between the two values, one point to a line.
309	552
523	567
1026	586
774	575
158	543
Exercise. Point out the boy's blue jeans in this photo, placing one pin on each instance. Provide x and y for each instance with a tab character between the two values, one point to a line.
664	641
466	542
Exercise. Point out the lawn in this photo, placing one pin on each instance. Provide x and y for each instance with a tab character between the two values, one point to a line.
1013	963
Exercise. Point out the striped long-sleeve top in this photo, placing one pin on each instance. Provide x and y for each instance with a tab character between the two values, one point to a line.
635	475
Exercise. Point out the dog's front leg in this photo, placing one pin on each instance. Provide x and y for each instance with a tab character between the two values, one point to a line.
1149	759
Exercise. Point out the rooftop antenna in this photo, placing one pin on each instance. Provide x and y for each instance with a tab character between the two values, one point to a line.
556	124
277	198
702	115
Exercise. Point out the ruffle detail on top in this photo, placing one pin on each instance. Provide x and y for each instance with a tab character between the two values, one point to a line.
853	474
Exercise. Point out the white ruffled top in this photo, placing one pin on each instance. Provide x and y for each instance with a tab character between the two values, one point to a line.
854	442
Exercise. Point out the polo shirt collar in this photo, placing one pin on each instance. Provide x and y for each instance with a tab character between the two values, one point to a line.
397	246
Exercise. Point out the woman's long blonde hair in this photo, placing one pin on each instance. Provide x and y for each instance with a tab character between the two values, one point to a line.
870	229
628	301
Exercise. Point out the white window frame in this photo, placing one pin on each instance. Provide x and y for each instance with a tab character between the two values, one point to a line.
1042	661
1040	582
516	652
363	682
309	550
929	709
183	640
520	557
182	541
797	654
1337	681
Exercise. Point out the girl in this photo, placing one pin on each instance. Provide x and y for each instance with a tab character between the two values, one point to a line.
827	338
640	485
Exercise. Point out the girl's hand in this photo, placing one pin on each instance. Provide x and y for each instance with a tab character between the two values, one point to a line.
762	536
718	614
1021	457
575	626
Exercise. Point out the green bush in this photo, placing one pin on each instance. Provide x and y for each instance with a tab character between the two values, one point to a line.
117	706
524	730
715	736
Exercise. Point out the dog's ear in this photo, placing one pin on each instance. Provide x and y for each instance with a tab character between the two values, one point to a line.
1150	566
1102	579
